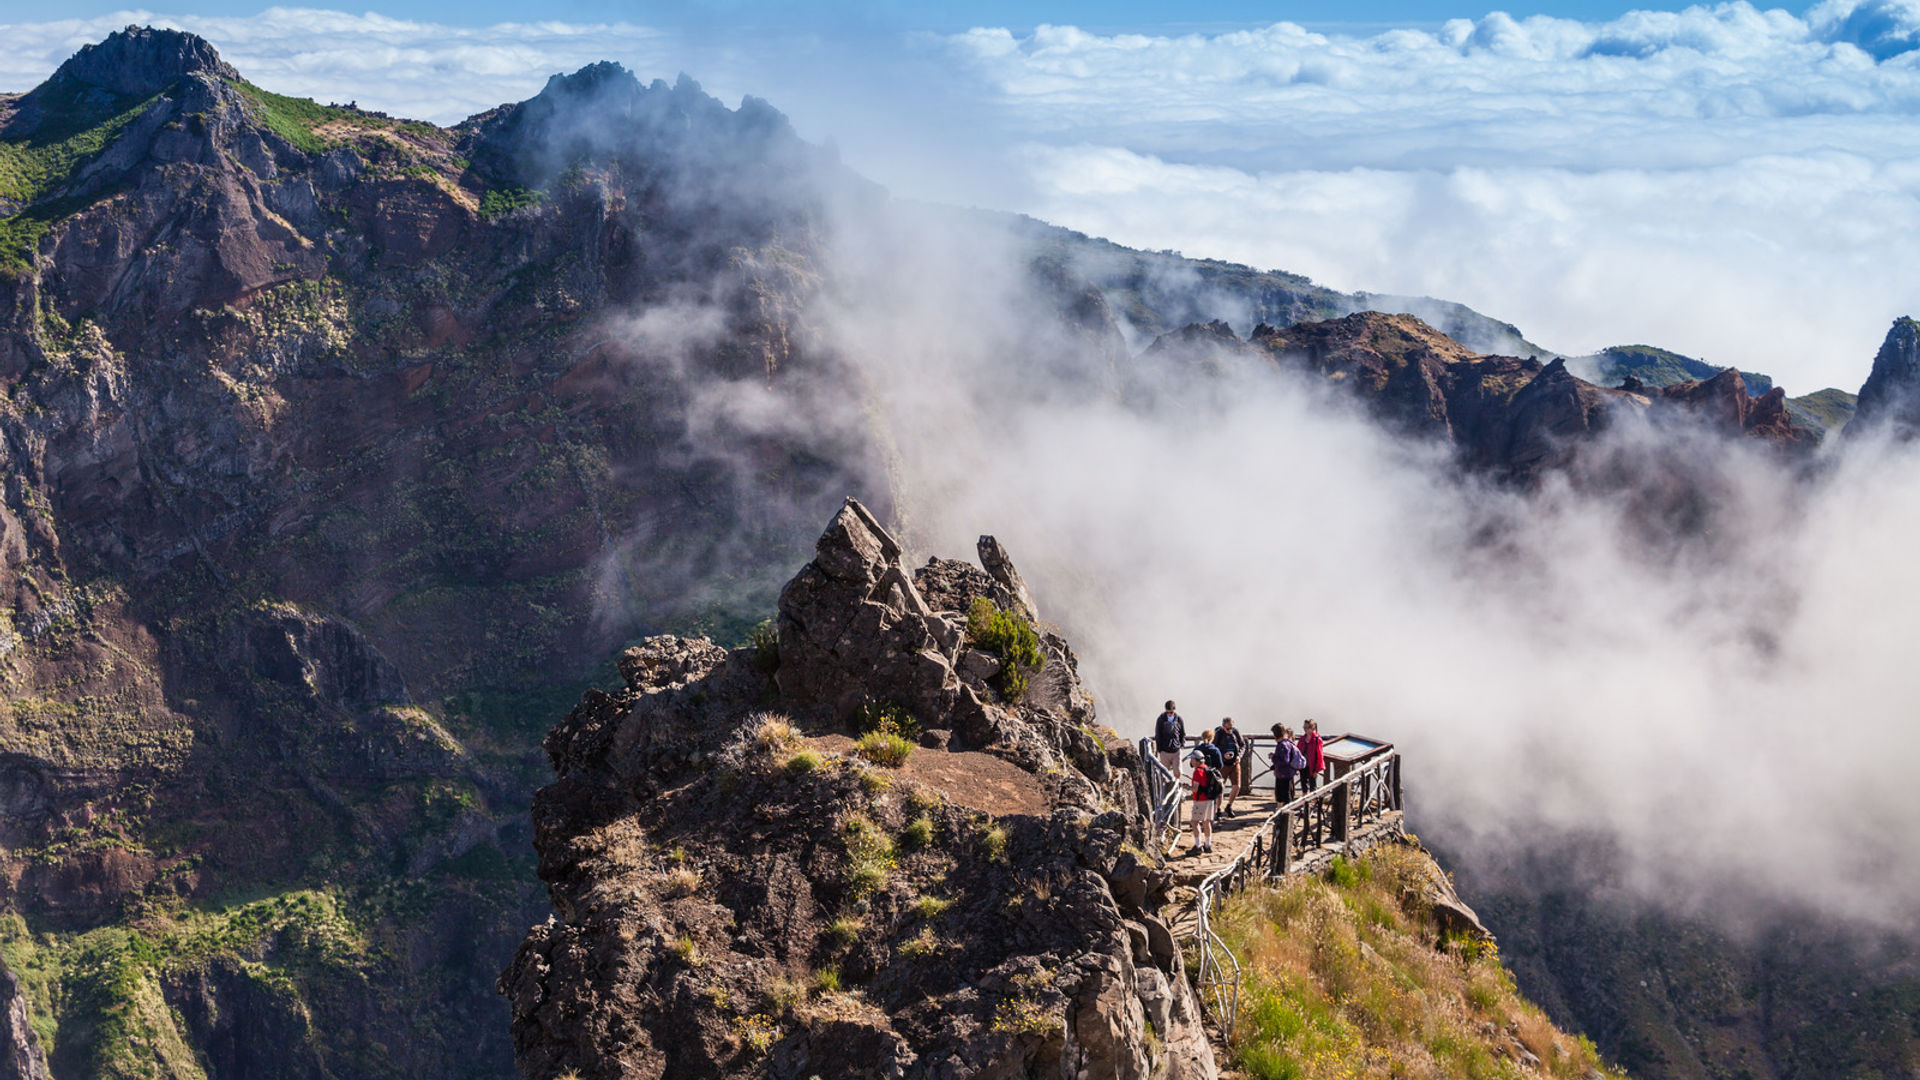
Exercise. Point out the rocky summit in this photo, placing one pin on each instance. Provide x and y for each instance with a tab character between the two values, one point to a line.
737	892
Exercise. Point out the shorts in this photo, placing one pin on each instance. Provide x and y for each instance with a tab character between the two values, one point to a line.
1203	811
1171	759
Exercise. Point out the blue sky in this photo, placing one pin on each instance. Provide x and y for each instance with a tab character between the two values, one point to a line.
1116	15
1732	181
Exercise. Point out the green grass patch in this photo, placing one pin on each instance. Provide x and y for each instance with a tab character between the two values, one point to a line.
499	202
1010	638
870	860
883	748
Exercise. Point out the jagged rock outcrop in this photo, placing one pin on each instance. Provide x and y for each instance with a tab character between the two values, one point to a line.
707	858
1890	398
142	61
1724	402
20	1055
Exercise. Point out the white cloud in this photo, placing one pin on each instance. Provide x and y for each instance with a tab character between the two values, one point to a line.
1726	181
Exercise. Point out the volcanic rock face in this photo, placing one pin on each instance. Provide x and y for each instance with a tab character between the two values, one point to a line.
1890	398
142	61
20	1054
706	857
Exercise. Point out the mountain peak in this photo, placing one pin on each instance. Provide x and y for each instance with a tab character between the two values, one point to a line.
141	61
1892	390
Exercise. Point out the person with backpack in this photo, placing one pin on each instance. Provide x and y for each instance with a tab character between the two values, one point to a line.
1235	759
1288	762
1206	795
1310	748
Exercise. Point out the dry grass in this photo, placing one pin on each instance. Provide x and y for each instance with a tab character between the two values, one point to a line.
681	881
775	734
1345	976
883	748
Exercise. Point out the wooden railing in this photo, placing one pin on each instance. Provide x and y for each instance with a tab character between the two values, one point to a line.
1330	815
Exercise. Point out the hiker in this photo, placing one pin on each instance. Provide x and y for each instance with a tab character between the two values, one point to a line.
1233	754
1206	793
1169	738
1309	744
1169	735
1287	761
1210	751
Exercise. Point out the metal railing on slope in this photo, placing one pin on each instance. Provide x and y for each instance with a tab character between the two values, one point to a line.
1329	814
1165	792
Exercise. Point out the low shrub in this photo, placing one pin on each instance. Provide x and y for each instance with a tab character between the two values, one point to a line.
918	833
869	857
993	841
764	640
775	733
885	716
884	748
1012	640
803	762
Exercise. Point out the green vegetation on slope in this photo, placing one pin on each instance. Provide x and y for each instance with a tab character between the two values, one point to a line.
114	1019
1349	975
76	124
1658	368
298	120
1828	409
1011	638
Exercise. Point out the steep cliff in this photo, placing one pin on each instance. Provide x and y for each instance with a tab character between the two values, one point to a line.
737	892
1890	398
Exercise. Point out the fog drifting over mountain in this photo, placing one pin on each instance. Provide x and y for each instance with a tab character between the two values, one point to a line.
1726	704
1729	182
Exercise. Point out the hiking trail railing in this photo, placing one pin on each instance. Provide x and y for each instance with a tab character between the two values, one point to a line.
1326	818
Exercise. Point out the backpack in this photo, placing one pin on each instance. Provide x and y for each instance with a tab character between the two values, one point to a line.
1210	785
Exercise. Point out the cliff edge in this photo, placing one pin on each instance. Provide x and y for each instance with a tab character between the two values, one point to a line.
739	891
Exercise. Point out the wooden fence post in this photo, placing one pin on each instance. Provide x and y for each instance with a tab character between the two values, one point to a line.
1341	805
1397	805
1283	844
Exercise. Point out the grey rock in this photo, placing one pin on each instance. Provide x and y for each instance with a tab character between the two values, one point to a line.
20	1054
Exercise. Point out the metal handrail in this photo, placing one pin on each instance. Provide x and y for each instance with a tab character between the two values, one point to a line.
1371	789
1166	791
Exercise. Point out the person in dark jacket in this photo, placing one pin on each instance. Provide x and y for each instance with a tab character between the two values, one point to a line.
1288	763
1169	735
1309	743
1209	751
1233	749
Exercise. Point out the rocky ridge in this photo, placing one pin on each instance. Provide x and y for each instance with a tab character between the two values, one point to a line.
1512	416
708	865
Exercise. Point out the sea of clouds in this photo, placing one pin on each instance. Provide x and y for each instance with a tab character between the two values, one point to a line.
1731	182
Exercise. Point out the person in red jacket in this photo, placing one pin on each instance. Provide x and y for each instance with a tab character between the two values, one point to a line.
1309	743
1203	803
